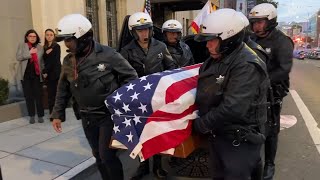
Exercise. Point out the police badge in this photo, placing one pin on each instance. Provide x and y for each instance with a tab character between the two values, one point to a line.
101	67
220	79
160	56
268	50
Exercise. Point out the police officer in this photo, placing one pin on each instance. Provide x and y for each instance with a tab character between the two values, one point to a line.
253	45
231	97
263	20
179	50
90	73
257	174
147	55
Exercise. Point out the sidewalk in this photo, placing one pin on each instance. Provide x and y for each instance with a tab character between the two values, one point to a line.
37	152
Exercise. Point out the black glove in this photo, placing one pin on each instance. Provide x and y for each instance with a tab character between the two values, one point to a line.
200	127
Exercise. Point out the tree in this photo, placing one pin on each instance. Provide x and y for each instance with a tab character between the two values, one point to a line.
268	1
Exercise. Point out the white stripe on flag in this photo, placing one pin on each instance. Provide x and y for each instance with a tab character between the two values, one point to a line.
154	129
158	99
180	104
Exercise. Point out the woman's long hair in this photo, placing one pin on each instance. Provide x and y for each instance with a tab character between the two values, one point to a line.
29	32
46	43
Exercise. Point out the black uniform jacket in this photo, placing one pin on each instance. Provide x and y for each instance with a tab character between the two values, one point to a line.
280	51
232	91
181	54
156	60
102	72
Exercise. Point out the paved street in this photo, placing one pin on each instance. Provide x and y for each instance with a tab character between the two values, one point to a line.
298	157
39	153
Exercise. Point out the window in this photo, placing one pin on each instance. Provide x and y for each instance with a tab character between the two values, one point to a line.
112	30
92	15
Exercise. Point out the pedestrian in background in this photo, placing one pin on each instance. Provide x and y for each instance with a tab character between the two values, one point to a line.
29	54
52	66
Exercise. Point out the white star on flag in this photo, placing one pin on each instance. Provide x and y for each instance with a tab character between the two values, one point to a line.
130	136
143	108
130	86
116	129
134	96
143	78
148	86
126	107
127	122
117	112
136	119
117	97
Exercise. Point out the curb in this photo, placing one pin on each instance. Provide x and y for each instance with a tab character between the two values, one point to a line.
81	171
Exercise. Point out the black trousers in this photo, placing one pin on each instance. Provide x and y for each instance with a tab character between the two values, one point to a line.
52	91
98	131
271	143
229	162
32	89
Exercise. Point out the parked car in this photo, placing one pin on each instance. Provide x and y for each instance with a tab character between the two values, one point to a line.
299	54
314	54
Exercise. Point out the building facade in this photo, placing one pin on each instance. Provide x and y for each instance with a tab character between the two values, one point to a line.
16	17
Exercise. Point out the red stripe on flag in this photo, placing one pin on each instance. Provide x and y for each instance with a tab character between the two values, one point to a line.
164	116
179	88
165	141
195	26
192	66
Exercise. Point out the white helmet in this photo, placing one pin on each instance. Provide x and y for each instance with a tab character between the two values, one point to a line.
244	19
73	25
214	26
264	10
140	20
172	25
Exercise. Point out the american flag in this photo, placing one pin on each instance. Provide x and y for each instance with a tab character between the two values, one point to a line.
147	7
152	114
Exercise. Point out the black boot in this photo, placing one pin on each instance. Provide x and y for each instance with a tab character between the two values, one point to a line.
271	146
103	171
109	173
269	170
257	173
158	171
142	170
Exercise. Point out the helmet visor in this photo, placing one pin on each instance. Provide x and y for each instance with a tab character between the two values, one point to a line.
145	26
206	37
62	37
171	30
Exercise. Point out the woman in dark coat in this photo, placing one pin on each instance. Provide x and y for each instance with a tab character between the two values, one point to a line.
52	66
